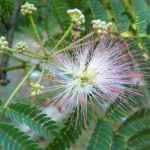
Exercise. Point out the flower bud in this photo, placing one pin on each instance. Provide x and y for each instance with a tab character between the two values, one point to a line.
100	27
27	8
3	38
3	43
21	47
76	16
36	89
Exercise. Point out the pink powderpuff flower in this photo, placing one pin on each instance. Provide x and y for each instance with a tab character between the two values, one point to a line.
96	73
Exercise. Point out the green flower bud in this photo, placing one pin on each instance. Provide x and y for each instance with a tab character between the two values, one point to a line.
3	38
27	8
21	47
3	43
76	16
36	89
100	27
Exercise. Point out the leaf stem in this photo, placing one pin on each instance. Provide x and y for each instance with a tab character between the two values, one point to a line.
13	67
36	54
14	57
16	90
37	35
33	56
70	46
43	69
64	36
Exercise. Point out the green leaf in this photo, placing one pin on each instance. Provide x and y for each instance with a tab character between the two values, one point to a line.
49	22
118	142
135	122
50	43
116	113
146	42
13	139
130	127
148	26
98	11
59	9
140	140
121	19
147	148
34	119
6	7
70	132
76	4
141	15
101	137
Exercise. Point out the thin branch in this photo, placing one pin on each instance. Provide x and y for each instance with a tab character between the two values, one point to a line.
10	25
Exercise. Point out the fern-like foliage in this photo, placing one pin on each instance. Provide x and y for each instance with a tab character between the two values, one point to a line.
146	42
140	140
6	7
133	125
70	132
135	122
141	15
13	139
118	142
101	137
49	24
121	19
116	114
59	9
98	11
34	119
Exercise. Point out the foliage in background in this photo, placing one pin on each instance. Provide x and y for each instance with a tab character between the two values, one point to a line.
118	131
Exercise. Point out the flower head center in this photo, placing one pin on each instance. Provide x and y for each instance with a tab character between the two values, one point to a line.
86	77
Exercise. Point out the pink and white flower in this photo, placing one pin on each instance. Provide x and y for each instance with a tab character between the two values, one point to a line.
96	73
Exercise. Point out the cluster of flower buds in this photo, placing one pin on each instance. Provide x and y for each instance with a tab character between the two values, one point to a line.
100	27
21	47
3	43
27	8
76	16
36	89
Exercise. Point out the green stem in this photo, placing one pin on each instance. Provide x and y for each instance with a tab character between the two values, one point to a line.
32	56
71	45
14	57
13	67
11	50
16	67
37	35
36	54
79	45
37	51
43	69
64	36
16	90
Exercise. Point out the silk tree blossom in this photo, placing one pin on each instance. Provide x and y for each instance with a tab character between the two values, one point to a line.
96	73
